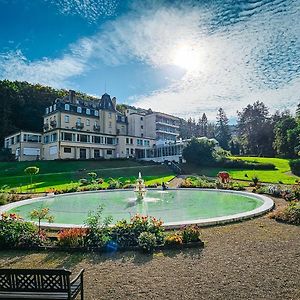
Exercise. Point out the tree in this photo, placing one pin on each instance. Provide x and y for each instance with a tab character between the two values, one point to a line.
200	152
41	214
223	134
30	171
204	124
255	129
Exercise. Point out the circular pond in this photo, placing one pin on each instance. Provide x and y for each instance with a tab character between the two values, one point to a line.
174	207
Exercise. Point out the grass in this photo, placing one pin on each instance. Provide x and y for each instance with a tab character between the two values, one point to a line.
64	174
281	174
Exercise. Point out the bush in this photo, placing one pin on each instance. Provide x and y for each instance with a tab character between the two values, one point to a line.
98	232
15	233
295	166
289	214
174	238
73	237
190	234
126	234
242	164
147	241
83	181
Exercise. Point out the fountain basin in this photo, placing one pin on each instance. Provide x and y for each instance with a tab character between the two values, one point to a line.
175	207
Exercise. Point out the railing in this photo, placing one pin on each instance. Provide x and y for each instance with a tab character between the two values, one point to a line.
53	123
96	128
79	125
175	167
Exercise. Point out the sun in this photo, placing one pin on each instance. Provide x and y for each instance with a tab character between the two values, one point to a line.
187	58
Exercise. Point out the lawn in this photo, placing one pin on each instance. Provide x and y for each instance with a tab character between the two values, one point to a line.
63	174
281	174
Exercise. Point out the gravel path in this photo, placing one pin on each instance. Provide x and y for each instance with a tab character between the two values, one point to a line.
256	259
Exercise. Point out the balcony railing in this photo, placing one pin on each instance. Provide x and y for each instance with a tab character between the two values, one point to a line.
53	123
79	125
97	127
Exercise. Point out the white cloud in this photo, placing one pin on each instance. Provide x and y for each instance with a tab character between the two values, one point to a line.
54	72
247	53
91	10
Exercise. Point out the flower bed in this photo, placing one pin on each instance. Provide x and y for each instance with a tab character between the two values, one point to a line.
140	233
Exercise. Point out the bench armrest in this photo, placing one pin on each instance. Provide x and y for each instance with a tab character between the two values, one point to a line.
79	276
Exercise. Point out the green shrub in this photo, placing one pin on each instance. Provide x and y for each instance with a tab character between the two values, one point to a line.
295	166
190	233
289	214
98	232
126	234
83	181
16	233
147	241
242	164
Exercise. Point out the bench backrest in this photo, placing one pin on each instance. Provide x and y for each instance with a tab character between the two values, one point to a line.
27	280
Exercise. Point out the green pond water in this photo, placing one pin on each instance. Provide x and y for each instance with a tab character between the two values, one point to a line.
170	206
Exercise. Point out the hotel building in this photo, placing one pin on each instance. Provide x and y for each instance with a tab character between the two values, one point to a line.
74	128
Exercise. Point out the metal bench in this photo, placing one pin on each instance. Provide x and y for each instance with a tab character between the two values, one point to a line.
40	284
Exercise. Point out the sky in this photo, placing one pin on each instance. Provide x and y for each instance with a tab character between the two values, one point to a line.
179	57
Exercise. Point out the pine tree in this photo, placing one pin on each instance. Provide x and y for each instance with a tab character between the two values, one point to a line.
223	135
204	124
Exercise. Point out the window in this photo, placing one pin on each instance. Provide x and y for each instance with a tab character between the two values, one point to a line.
96	153
53	137
96	139
54	107
66	136
47	110
109	152
109	115
131	141
79	109
142	118
50	109
142	127
127	151
46	139
67	119
53	150
88	111
109	124
131	151
78	120
127	140
96	113
88	122
67	150
83	138
110	141
67	106
18	138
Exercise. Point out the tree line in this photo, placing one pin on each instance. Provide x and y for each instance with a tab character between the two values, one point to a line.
257	132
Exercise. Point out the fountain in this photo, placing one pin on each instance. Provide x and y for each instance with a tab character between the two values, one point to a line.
140	189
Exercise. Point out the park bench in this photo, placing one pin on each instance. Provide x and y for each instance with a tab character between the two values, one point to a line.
39	284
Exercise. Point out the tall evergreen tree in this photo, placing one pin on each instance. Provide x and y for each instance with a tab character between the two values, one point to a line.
223	134
204	124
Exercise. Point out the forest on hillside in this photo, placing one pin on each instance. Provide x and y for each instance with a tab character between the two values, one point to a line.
22	105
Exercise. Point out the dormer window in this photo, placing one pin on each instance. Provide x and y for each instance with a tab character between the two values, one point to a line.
47	110
88	111
54	107
50	109
79	109
96	113
67	106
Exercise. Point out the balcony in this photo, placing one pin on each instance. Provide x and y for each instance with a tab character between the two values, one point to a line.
97	127
167	124
167	132
79	125
53	124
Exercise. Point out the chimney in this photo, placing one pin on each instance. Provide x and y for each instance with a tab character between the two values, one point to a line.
114	102
71	96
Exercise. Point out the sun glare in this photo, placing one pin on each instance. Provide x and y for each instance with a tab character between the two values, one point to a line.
187	58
